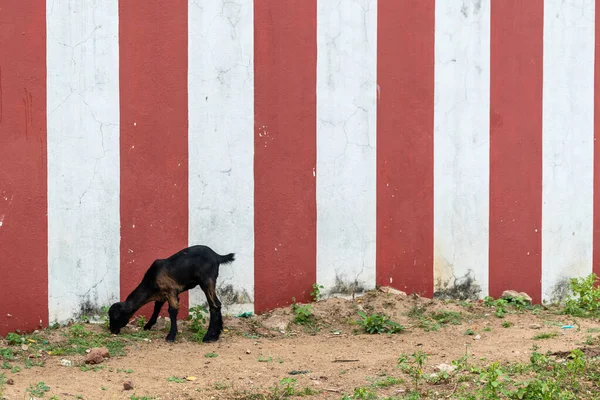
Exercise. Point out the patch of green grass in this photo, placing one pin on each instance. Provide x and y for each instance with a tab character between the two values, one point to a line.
38	390
7	354
378	323
545	377
286	387
175	379
387	382
584	297
94	368
29	363
265	359
507	324
222	385
447	317
547	335
505	305
434	320
127	371
14	339
211	355
361	393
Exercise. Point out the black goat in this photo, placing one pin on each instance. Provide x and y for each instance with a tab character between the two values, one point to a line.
165	280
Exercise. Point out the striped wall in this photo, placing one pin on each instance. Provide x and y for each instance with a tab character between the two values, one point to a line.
441	147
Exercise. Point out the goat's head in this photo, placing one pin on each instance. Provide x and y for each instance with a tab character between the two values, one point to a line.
118	317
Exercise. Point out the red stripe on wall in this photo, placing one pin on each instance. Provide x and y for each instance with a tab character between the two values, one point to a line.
285	151
516	147
596	247
154	132
405	77
23	171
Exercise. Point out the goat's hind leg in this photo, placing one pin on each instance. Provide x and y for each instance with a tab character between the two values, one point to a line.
173	310
157	306
215	325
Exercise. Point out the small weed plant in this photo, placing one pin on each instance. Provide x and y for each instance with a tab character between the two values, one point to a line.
413	366
584	297
316	292
197	317
378	323
38	390
302	313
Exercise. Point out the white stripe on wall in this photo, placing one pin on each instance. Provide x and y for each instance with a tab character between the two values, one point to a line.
568	143
83	156
221	142
461	147
346	139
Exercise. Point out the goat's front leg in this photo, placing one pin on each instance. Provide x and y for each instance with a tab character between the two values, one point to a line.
215	326
157	306
173	310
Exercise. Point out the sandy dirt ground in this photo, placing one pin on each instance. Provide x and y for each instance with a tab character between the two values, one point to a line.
331	355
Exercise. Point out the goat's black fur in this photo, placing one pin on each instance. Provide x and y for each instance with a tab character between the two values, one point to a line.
165	280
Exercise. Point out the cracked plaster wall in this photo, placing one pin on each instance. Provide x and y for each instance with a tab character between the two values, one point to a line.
461	143
83	145
346	156
83	155
568	142
221	142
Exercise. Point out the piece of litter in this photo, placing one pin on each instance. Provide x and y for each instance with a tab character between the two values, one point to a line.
191	378
246	314
65	363
568	327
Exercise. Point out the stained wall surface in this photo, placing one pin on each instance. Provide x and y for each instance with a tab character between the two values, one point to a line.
446	148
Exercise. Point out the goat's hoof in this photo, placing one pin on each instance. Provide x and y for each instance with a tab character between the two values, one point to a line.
147	327
170	339
210	338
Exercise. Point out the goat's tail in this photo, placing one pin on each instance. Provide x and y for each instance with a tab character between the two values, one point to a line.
226	259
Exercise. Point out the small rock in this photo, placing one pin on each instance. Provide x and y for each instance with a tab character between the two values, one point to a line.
127	385
277	322
24	347
477	337
10	381
511	294
248	351
445	368
534	326
391	290
96	355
